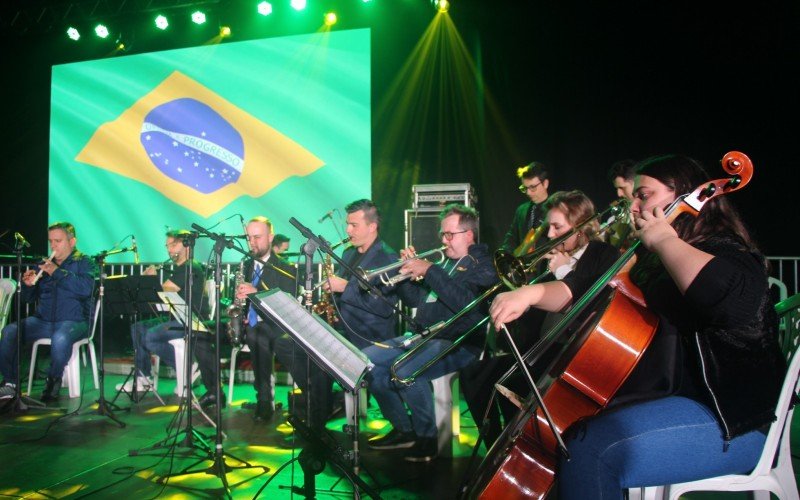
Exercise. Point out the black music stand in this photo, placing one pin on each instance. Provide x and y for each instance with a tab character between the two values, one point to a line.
339	358
132	296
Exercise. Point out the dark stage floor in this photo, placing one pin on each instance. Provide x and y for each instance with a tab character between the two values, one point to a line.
78	453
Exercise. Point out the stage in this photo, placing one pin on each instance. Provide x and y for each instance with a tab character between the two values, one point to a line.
77	452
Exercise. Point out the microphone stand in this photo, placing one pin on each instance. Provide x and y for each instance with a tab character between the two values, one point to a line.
103	406
18	404
219	467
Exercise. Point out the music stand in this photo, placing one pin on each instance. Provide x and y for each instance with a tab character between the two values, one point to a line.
132	296
331	352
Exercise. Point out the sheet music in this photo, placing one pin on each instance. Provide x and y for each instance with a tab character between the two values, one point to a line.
344	361
177	307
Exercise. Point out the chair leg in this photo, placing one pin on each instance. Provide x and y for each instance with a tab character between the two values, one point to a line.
232	376
34	353
72	372
93	357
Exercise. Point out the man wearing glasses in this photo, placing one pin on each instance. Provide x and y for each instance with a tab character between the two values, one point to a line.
529	215
443	291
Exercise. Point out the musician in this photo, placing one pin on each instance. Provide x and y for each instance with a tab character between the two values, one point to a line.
62	295
445	290
363	317
534	183
152	336
621	175
573	265
697	402
280	244
261	333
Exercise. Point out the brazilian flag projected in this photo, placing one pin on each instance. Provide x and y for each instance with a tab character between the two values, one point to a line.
277	127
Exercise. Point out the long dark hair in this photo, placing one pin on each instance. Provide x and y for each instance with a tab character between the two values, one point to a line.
682	175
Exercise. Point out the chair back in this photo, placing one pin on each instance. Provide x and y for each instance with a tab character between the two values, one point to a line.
211	294
93	317
7	289
781	427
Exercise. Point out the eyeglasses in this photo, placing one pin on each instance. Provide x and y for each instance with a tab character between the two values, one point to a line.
449	236
524	189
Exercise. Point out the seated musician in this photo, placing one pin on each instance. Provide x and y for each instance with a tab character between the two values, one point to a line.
576	263
621	174
696	404
152	336
444	291
262	333
362	317
63	301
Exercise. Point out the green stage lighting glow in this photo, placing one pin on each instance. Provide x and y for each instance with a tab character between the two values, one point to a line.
161	22
298	4
101	31
198	17
330	18
73	33
265	8
442	5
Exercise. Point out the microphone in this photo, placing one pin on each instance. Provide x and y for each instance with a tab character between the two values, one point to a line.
327	215
135	249
424	333
21	240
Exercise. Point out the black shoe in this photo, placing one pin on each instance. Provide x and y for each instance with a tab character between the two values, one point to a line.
424	450
52	386
263	411
393	440
210	399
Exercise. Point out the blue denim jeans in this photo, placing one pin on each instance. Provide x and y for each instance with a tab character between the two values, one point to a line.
393	398
152	337
663	441
62	335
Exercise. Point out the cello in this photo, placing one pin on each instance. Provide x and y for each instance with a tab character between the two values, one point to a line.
615	329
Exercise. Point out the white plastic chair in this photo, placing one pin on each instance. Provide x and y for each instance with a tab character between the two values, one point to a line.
774	472
7	289
232	374
72	372
179	346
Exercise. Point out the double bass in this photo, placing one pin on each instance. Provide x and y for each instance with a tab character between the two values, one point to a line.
616	327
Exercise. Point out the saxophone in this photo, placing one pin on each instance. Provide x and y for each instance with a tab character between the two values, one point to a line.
236	311
325	305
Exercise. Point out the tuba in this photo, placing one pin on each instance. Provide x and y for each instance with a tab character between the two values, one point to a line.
236	311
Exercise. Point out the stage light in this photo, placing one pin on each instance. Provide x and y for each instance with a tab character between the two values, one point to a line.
161	22
198	17
330	18
265	8
224	31
73	33
442	5
298	4
101	31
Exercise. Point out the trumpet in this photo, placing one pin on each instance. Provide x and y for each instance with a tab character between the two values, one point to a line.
39	274
516	271
383	272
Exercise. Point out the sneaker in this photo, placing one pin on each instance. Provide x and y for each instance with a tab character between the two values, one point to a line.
394	440
424	450
7	391
142	384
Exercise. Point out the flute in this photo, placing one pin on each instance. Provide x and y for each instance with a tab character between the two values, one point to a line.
39	274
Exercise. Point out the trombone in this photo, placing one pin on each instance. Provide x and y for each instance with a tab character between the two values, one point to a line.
383	272
513	273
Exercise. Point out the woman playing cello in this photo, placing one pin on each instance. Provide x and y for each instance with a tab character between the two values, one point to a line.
697	402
